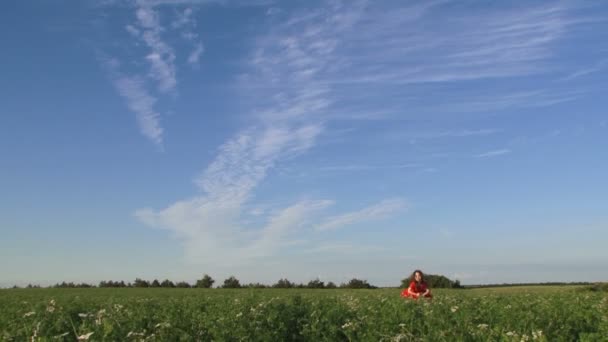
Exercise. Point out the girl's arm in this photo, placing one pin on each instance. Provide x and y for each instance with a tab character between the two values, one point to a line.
412	290
426	290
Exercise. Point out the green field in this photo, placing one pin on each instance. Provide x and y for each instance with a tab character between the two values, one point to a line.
538	313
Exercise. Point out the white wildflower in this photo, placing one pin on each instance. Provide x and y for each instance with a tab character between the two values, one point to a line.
35	333
482	326
347	325
83	315
399	337
537	334
51	307
28	314
85	336
239	314
454	308
163	325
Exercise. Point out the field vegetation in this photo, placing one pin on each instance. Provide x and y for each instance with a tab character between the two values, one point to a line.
532	313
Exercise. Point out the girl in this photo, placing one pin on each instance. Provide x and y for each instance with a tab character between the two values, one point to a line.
418	287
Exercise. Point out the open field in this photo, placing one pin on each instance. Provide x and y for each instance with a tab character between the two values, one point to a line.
490	314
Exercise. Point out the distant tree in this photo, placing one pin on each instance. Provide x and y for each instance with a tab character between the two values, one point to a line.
109	283
435	281
167	283
315	284
206	282
65	285
283	284
231	283
357	284
155	283
182	284
141	283
256	286
330	285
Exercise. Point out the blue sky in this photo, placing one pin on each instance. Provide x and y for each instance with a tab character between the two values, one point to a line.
303	139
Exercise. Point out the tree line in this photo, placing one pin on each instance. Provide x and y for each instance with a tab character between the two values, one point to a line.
207	282
434	281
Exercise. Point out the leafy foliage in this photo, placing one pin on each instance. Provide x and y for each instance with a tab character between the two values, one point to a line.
206	282
357	284
283	284
435	281
115	314
231	283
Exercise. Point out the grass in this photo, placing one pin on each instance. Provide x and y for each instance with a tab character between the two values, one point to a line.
550	313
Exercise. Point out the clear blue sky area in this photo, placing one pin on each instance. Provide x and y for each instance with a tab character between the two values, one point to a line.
303	139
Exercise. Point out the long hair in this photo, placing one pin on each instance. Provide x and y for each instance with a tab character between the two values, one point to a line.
413	277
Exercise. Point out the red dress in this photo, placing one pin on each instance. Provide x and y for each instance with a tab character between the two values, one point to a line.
416	288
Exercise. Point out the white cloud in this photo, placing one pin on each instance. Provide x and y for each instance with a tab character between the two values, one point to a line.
365	51
211	233
587	71
160	59
377	211
147	18
306	69
142	104
211	226
493	153
133	31
183	18
161	56
195	55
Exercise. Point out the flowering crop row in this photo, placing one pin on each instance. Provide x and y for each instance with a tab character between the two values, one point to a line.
300	315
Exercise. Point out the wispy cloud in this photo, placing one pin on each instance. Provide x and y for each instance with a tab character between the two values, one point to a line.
161	56
339	61
377	211
493	153
135	84
139	100
287	123
142	104
597	67
184	21
379	60
360	167
210	231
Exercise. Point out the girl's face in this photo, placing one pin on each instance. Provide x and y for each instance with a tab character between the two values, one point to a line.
418	276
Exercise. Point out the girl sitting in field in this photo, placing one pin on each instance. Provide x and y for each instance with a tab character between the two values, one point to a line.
418	287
